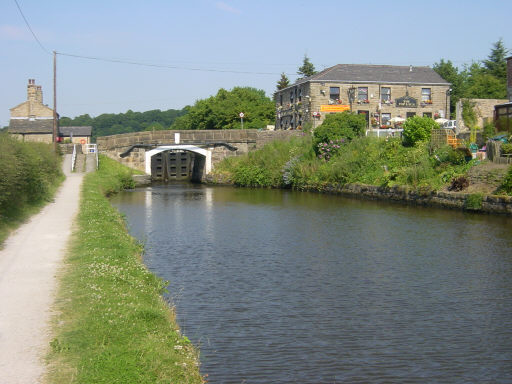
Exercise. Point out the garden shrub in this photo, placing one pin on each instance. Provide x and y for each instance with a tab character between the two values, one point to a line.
506	186
417	129
337	126
506	148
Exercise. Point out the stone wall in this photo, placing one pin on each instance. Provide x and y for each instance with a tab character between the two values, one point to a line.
244	140
484	109
34	137
452	200
493	149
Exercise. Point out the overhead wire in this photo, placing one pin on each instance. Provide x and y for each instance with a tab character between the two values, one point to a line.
30	29
132	62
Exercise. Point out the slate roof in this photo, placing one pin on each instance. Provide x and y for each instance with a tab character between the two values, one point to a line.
77	131
30	126
388	74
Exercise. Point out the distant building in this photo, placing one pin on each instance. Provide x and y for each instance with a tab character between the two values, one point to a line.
503	112
75	135
379	92
32	120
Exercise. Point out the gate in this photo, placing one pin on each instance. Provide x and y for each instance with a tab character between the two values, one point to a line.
172	165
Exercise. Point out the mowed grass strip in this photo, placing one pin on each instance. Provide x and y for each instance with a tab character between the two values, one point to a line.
112	324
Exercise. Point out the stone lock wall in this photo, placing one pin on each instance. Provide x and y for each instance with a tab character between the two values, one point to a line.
245	140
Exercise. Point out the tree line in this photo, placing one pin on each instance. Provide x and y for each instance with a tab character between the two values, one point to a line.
111	123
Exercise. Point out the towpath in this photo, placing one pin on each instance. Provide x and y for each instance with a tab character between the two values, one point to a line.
29	263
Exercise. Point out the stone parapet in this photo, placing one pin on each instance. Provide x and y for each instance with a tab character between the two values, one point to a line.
244	140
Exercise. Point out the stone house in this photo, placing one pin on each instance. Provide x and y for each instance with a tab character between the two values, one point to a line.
32	120
380	92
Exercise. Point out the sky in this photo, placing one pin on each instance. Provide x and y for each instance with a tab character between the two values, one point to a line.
193	48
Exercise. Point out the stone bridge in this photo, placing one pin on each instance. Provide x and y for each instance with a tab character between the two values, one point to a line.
190	154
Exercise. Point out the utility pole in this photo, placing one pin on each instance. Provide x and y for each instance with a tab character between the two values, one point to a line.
54	101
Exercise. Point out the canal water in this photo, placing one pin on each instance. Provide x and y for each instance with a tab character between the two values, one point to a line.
289	287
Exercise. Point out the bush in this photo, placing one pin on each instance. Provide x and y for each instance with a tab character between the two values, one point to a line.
27	173
506	186
488	131
506	148
447	154
474	202
417	129
344	125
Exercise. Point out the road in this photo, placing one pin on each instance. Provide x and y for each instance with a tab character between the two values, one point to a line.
29	265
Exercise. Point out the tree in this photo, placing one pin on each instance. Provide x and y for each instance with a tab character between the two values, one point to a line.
496	64
450	73
480	84
345	125
222	110
283	82
307	69
155	126
417	129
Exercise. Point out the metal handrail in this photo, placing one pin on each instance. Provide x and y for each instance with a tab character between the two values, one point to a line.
73	158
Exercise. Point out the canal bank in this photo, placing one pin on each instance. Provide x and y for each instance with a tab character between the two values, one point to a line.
475	202
111	323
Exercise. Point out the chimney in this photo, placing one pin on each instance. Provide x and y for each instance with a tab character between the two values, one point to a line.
34	92
39	94
31	90
410	68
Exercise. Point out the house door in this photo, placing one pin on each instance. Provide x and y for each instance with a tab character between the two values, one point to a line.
366	116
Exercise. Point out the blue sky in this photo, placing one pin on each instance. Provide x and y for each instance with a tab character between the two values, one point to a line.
210	42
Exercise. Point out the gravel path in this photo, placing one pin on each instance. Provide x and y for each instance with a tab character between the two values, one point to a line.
29	263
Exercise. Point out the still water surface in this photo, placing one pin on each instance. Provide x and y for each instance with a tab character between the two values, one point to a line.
288	287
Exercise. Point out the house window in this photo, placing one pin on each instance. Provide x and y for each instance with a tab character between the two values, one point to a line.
385	118
300	94
427	114
426	95
362	94
291	96
281	99
334	93
385	94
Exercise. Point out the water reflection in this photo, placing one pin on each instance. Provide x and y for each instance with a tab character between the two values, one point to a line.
295	287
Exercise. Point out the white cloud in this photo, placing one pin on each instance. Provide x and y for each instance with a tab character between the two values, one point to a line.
227	8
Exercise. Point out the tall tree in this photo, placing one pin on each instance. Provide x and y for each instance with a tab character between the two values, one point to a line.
450	73
307	68
283	81
483	85
496	64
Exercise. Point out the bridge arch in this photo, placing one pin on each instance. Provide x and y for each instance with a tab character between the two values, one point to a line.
206	153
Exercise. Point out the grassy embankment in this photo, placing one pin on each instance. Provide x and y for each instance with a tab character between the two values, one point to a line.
30	174
112	324
364	160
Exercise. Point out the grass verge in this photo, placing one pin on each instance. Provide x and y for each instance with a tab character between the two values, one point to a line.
112	324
